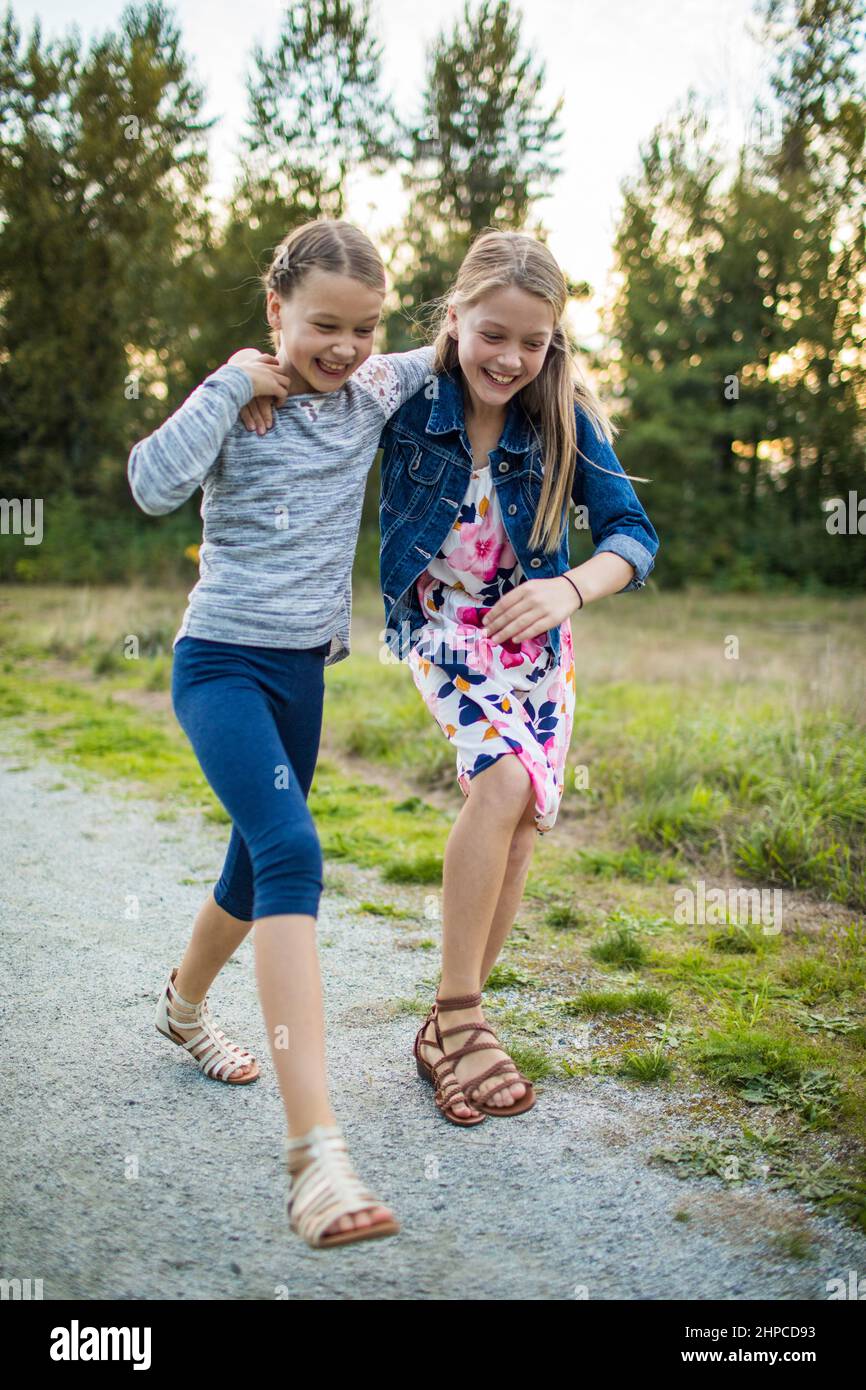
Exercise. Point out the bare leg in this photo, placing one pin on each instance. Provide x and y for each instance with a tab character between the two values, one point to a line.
290	990
216	936
519	859
478	860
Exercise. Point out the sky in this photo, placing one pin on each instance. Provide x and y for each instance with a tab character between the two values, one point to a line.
622	66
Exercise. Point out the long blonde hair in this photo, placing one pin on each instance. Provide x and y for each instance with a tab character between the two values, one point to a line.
495	260
326	244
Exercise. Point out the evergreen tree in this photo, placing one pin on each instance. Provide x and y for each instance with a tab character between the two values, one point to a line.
101	182
480	156
315	116
738	318
818	162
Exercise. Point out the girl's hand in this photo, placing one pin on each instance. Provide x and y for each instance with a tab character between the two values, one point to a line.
258	413
243	355
530	609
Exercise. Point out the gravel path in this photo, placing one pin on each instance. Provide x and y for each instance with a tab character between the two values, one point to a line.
127	1174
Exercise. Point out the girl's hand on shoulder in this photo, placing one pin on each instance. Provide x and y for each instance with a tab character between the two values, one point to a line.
244	355
268	379
530	609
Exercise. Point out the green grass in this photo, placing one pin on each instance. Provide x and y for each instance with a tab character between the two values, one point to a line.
647	1066
634	863
104	736
505	976
736	940
788	806
697	768
769	1157
420	868
593	1002
531	1061
749	774
797	1245
383	910
150	755
566	918
767	1069
621	948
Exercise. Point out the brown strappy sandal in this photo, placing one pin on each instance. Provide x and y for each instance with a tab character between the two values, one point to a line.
440	1074
468	1001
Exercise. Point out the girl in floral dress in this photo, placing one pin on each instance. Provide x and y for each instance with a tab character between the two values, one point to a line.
492	653
489	698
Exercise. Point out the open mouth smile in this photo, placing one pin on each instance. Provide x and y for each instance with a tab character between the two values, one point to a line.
499	378
331	368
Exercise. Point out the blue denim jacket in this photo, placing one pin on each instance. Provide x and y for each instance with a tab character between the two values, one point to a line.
426	468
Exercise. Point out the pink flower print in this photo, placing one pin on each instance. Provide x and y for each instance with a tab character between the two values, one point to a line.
470	614
483	549
424	587
513	653
476	641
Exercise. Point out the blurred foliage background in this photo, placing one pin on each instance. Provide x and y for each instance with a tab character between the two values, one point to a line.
733	339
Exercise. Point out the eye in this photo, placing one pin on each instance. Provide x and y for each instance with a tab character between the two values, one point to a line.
365	332
492	337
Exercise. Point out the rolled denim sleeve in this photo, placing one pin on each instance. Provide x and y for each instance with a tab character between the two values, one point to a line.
617	521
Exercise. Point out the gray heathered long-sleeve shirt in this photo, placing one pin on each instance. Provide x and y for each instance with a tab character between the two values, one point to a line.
282	510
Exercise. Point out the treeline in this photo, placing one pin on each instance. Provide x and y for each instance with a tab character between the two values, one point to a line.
734	337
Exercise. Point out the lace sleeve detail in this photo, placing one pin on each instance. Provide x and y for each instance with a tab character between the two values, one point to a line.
377	377
391	378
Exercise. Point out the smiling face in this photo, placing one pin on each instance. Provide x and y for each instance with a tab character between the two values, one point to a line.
502	342
326	329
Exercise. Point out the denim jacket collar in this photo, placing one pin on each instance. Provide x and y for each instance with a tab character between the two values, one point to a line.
447	414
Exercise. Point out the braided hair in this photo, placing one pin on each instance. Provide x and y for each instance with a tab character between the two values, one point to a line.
326	244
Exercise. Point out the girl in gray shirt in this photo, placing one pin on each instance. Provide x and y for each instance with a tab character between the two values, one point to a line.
271	609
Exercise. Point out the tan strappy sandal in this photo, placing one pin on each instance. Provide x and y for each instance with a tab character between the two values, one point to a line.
470	1088
440	1074
328	1188
205	1043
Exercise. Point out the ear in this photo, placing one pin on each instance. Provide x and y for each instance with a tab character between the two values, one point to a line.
272	309
452	325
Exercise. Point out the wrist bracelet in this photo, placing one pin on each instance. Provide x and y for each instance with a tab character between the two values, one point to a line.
575	588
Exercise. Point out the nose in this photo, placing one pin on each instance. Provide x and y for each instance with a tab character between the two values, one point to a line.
509	362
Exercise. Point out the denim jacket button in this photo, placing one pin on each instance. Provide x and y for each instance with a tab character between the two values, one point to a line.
535	563
503	467
512	509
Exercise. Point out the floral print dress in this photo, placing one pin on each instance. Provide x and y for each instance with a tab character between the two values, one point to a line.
491	698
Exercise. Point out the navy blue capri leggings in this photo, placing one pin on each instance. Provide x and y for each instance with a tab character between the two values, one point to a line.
254	718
